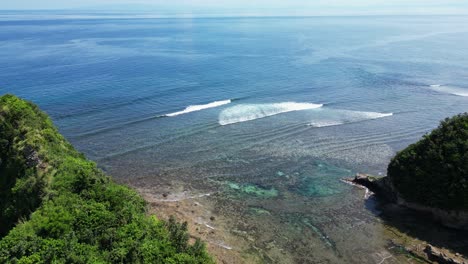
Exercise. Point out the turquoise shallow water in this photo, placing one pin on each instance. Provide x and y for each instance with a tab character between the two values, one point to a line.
269	113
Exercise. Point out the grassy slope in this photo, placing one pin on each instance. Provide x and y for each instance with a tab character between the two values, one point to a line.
57	206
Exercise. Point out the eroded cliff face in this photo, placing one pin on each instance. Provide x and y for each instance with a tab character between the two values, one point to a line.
384	189
448	218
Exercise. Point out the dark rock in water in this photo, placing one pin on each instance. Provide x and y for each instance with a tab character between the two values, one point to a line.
379	186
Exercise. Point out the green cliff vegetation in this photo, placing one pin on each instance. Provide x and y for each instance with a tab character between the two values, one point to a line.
58	207
434	171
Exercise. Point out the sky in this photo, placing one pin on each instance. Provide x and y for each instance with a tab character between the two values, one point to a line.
287	7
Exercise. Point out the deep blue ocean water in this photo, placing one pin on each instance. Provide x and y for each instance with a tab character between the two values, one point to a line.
267	112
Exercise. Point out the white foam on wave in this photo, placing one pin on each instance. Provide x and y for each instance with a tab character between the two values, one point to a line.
340	117
449	89
248	112
194	108
325	123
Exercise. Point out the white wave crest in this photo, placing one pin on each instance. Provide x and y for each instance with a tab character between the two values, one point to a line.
340	117
248	112
449	89
325	123
194	108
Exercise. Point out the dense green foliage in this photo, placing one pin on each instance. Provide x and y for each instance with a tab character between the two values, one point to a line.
58	207
434	171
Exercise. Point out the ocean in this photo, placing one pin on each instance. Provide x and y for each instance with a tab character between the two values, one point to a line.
262	116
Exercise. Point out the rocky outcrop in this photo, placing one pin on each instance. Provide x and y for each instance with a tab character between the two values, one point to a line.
443	257
427	253
379	186
383	188
32	158
449	218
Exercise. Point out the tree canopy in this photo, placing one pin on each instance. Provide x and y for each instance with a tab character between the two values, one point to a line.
434	171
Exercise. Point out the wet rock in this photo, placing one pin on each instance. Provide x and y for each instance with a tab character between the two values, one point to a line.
442	257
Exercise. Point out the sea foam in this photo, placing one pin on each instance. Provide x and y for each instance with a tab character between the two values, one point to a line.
332	117
449	89
194	108
248	112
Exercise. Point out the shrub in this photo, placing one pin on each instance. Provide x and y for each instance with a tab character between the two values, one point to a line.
58	207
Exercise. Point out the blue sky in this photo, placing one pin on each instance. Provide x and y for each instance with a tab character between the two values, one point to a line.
300	7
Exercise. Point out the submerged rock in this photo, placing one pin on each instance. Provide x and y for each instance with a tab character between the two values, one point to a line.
255	190
259	211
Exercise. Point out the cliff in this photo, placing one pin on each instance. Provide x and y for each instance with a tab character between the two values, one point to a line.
57	206
431	175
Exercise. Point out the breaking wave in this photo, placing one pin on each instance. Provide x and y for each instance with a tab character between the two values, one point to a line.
194	108
449	89
248	112
340	117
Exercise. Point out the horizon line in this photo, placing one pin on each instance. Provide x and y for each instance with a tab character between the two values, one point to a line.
215	14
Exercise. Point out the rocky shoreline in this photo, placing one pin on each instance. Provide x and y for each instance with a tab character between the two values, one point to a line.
382	189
